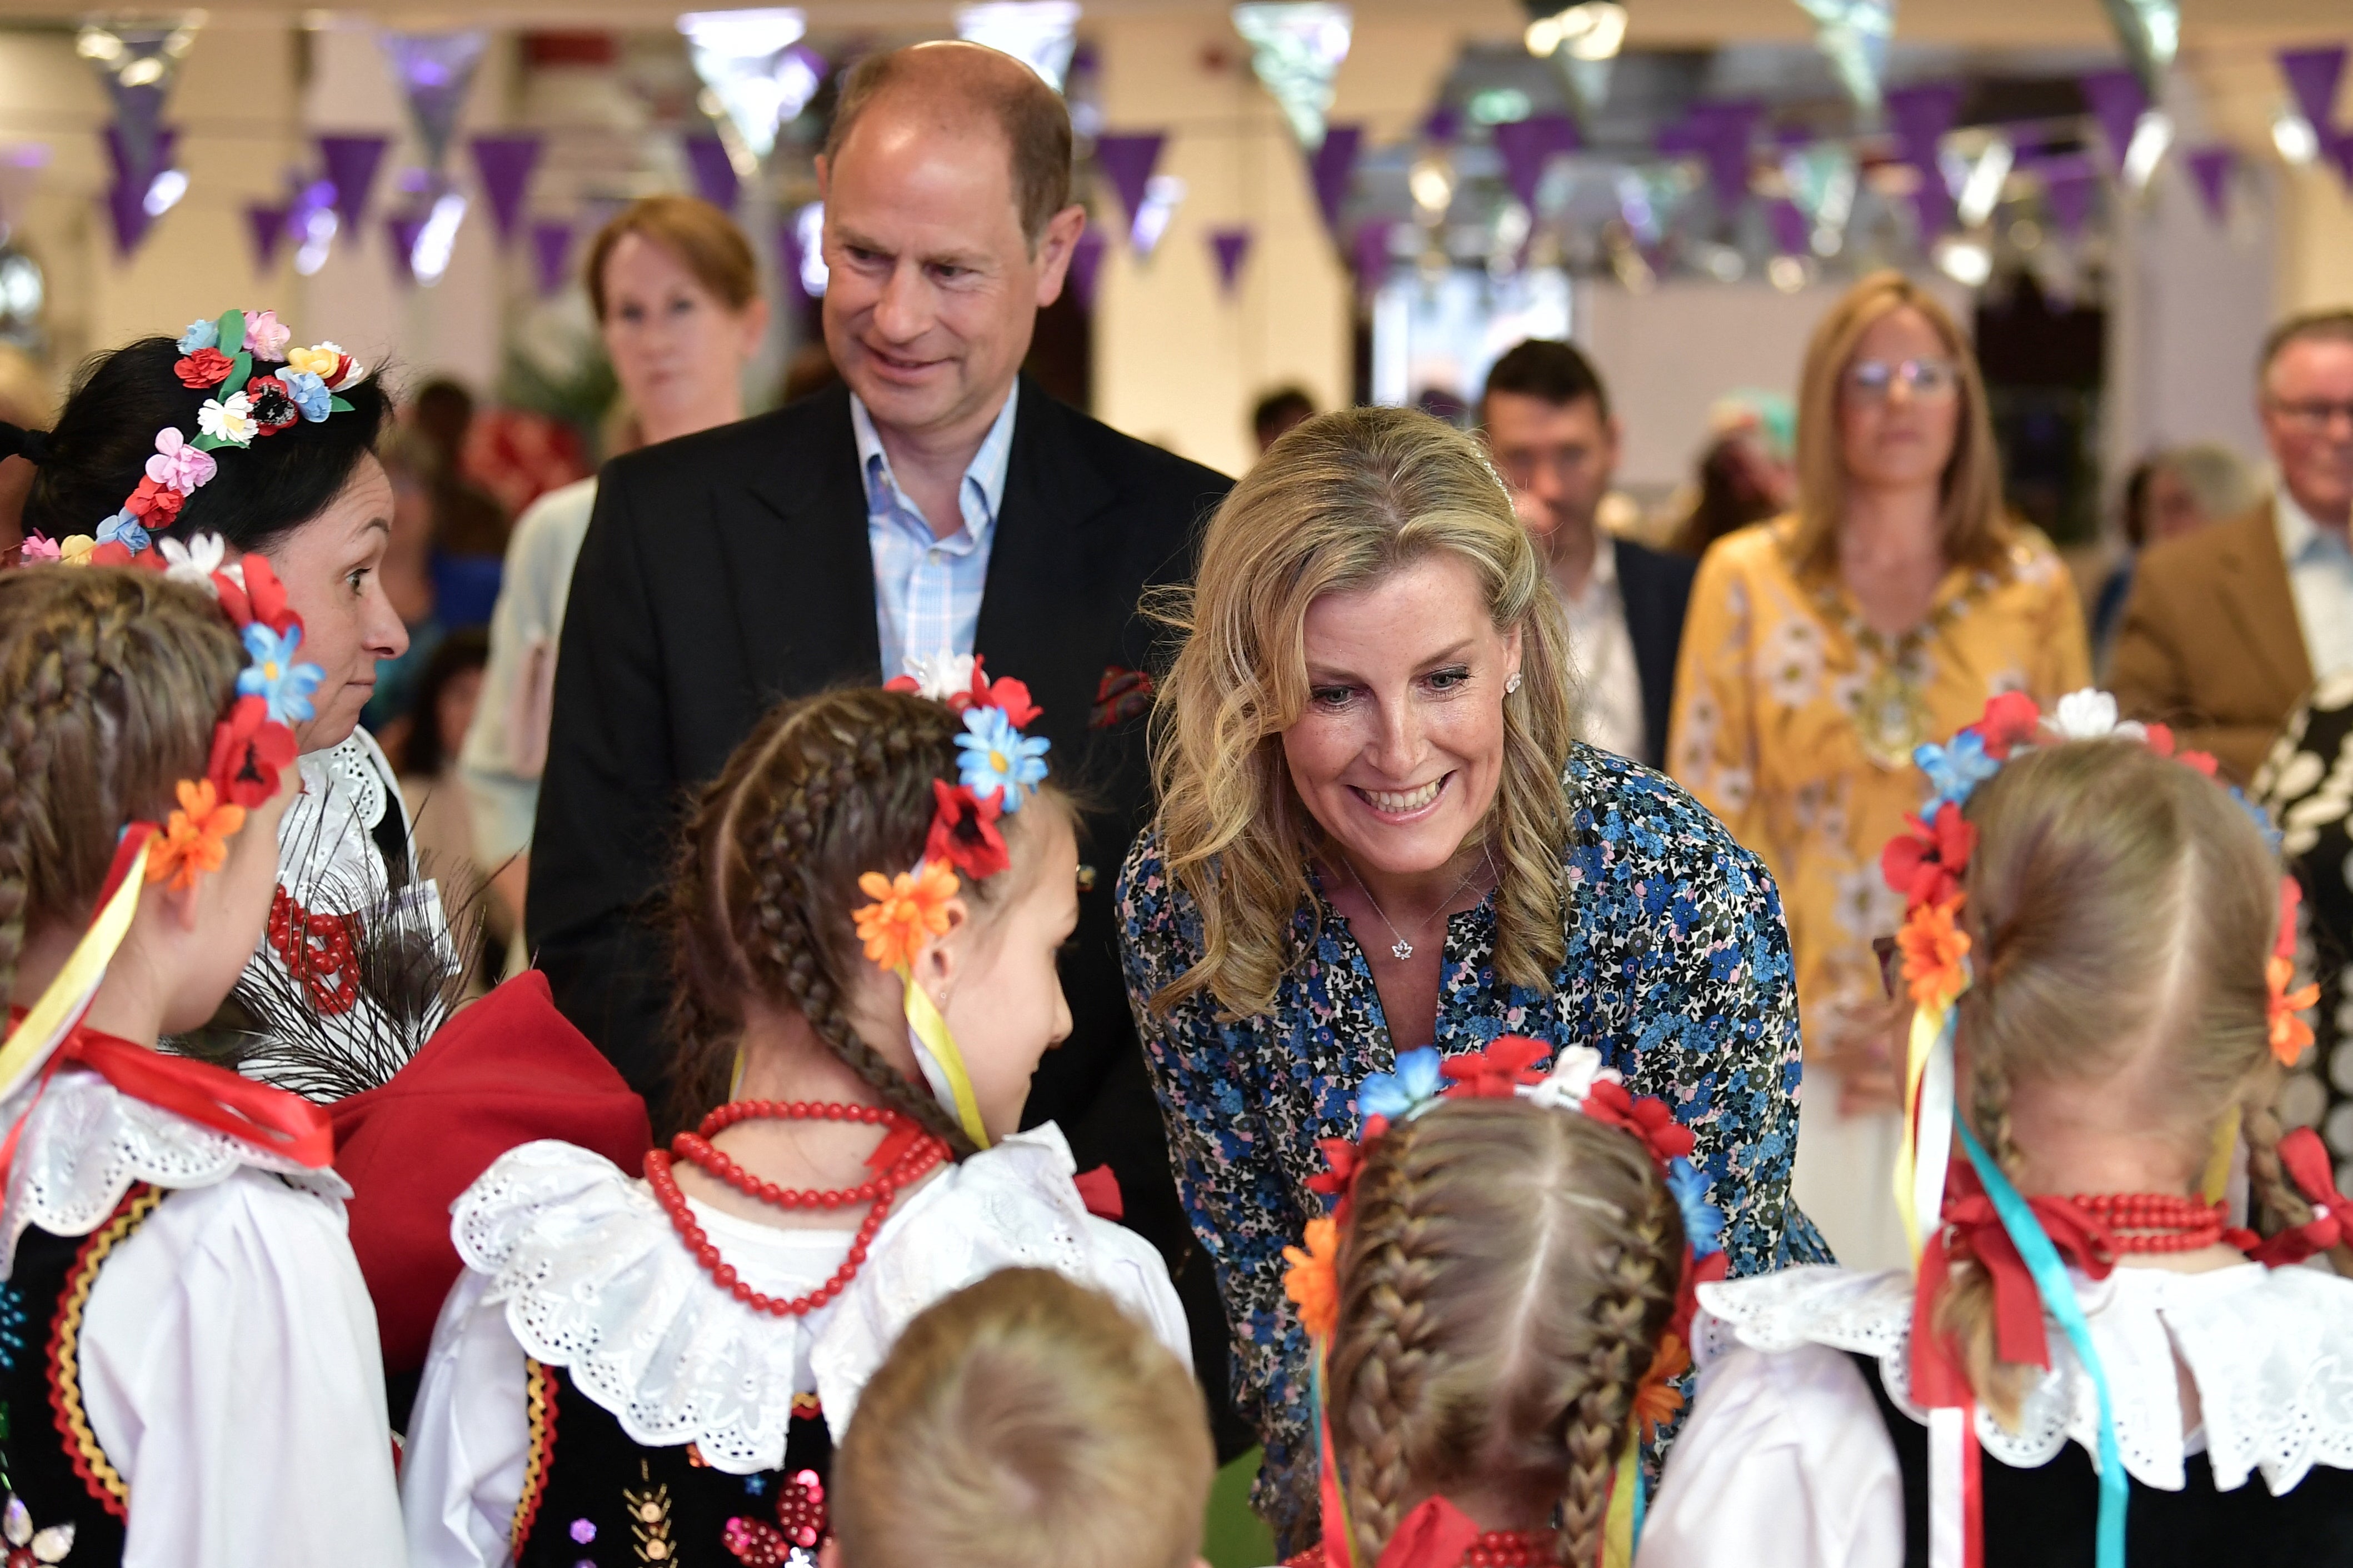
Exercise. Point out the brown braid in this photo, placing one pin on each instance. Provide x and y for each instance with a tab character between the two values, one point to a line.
110	682
825	789
1504	1283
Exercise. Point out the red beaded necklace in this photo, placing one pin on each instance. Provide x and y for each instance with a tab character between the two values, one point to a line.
906	1156
1510	1549
2156	1222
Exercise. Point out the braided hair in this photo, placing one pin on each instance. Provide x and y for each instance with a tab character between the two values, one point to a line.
1504	1284
825	789
111	683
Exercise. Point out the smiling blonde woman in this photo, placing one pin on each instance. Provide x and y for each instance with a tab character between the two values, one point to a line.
1376	832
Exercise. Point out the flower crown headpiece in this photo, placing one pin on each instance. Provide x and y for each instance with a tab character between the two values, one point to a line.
1927	863
1506	1069
223	354
1000	768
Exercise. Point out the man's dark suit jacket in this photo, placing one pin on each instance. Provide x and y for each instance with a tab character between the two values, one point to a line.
1657	588
727	571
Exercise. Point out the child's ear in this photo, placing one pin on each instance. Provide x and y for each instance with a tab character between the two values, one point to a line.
181	906
938	961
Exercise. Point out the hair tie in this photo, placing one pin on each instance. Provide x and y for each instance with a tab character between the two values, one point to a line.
33	446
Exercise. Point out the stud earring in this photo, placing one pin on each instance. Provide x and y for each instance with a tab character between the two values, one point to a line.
1513	684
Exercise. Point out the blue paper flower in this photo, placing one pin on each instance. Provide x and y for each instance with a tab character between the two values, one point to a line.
308	394
125	528
1702	1221
275	677
2263	819
999	758
200	335
1955	770
1396	1095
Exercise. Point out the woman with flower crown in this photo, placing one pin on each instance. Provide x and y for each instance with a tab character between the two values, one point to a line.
2101	1353
235	438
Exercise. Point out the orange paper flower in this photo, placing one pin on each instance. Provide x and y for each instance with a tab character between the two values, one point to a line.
196	840
1933	950
1657	1399
908	910
1312	1280
2291	1035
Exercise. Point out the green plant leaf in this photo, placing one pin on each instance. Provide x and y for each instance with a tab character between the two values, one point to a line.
232	331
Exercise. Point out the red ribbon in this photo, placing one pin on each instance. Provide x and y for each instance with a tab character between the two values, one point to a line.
1099	1190
1435	1534
1972	1229
2306	1159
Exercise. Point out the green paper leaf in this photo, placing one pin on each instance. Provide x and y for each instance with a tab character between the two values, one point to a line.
231	326
213	443
337	405
240	369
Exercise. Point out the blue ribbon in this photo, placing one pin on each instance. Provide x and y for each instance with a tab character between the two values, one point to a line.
2058	1292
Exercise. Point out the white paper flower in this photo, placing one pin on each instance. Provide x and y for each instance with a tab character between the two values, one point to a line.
195	561
940	676
1575	1070
229	419
2089	715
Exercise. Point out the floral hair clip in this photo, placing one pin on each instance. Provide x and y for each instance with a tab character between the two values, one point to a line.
998	768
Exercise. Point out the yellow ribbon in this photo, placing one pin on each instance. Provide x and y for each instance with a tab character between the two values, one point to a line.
2217	1180
1927	1024
63	1003
1617	1525
932	1029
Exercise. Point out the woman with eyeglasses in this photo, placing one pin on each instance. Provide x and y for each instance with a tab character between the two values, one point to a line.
1822	648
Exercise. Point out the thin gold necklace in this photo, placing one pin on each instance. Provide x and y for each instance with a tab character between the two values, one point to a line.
1404	949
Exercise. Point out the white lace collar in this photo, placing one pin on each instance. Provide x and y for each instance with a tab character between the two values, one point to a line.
594	1280
86	1142
2271	1352
327	855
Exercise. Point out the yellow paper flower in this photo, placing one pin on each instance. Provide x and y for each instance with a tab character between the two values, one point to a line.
1933	949
908	910
196	840
1312	1280
320	361
75	548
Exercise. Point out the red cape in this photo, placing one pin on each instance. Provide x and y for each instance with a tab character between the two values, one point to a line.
503	1072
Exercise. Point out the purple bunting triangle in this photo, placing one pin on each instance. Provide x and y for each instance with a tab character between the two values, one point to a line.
403	228
2068	185
2117	101
1086	266
551	254
1127	160
2313	75
1921	115
504	165
1230	246
2210	167
1372	252
713	172
267	224
1526	146
126	198
350	163
1932	204
2338	147
1725	130
1441	126
1792	234
1331	167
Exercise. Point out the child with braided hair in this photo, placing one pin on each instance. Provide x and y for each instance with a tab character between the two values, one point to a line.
188	1363
867	909
1500	1298
2091	1362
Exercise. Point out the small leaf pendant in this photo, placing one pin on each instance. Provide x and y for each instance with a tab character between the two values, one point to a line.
1403	949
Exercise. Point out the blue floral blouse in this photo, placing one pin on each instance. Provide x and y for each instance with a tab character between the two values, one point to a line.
1677	970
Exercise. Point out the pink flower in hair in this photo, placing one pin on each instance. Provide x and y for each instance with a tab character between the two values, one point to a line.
265	339
38	547
178	466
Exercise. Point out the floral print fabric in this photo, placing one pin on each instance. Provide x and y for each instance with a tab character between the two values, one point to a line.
1677	970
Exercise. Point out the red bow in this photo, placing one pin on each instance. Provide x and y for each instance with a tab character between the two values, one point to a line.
2305	1160
1972	1228
1494	1073
1433	1534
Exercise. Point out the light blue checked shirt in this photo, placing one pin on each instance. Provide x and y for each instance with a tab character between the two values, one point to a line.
927	589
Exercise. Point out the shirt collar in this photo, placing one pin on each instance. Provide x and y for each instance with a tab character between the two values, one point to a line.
1602	579
984	477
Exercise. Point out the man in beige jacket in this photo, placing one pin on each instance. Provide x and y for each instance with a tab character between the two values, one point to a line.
2227	628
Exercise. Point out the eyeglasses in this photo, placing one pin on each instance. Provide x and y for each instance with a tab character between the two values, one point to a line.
1926	379
2313	417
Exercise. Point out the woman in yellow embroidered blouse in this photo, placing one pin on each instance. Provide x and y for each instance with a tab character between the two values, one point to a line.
1820	650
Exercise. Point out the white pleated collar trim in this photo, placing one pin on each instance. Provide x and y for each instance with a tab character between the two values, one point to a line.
86	1142
2271	1352
595	1279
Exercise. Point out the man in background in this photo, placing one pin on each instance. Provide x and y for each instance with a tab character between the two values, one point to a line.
1279	413
2226	630
1547	422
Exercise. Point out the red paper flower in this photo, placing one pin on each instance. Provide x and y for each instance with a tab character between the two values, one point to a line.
964	831
261	597
1011	695
2201	761
204	368
250	754
2158	738
2010	720
1342	1159
155	504
1924	862
273	404
1494	1073
1650	1119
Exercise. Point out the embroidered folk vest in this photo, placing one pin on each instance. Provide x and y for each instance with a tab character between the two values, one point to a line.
2046	1517
66	1503
590	1495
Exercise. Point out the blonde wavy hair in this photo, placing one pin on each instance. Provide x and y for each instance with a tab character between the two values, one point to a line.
1977	531
1338	505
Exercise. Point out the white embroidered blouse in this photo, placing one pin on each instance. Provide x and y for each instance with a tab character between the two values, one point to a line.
571	1262
228	1354
1784	1461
